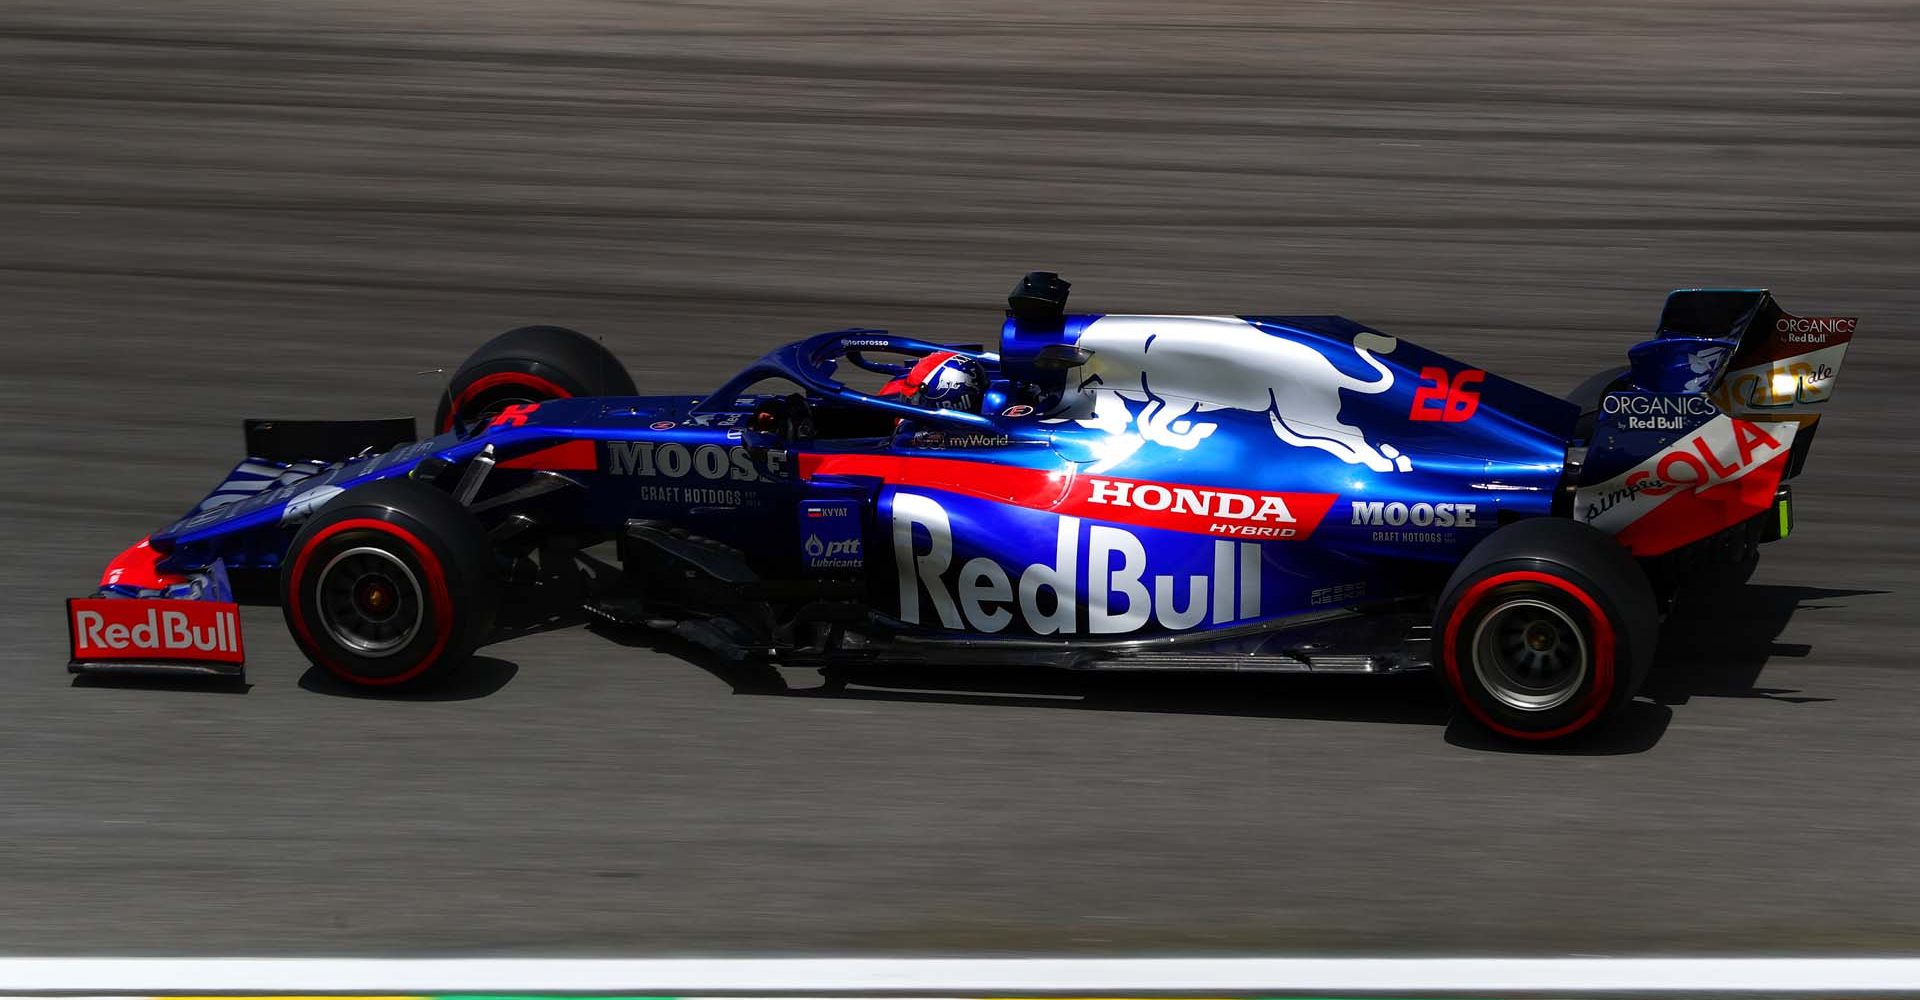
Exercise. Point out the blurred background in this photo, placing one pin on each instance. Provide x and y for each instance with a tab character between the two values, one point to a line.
214	210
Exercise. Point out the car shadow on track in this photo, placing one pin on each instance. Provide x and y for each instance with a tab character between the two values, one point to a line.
1403	700
1637	730
528	609
1709	650
477	678
164	682
1713	647
1718	648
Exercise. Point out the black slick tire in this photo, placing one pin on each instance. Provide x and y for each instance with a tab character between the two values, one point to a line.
1546	630
392	583
531	364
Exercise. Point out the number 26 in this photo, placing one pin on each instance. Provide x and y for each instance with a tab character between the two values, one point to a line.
1436	399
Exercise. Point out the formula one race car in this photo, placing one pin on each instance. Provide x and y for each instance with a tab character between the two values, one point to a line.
1102	492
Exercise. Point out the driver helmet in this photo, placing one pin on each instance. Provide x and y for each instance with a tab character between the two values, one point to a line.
942	381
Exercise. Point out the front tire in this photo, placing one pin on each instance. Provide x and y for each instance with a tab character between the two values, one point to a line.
392	583
1546	630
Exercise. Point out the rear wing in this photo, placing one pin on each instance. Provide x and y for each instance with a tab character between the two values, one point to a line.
1755	360
1713	416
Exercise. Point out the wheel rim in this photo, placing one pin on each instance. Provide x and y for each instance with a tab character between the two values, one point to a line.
369	601
1530	655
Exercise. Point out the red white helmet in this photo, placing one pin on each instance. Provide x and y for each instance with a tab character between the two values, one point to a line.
941	381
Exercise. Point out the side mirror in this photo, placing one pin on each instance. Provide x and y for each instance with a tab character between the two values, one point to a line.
1061	357
778	422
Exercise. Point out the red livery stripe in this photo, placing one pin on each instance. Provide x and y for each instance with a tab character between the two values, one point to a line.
570	456
1203	510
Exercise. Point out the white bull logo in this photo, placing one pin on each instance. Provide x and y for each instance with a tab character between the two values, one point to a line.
1179	366
1704	365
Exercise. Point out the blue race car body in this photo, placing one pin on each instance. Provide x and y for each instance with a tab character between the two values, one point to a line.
1183	491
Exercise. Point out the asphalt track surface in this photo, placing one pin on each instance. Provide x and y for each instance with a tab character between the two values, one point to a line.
218	210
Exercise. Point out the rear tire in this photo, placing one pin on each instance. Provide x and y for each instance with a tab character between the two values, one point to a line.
1587	394
391	583
530	365
1545	630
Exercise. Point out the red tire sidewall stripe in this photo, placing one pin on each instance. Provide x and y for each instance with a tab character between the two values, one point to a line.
552	390
1603	650
436	587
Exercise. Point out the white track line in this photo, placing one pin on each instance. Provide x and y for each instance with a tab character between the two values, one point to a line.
952	975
